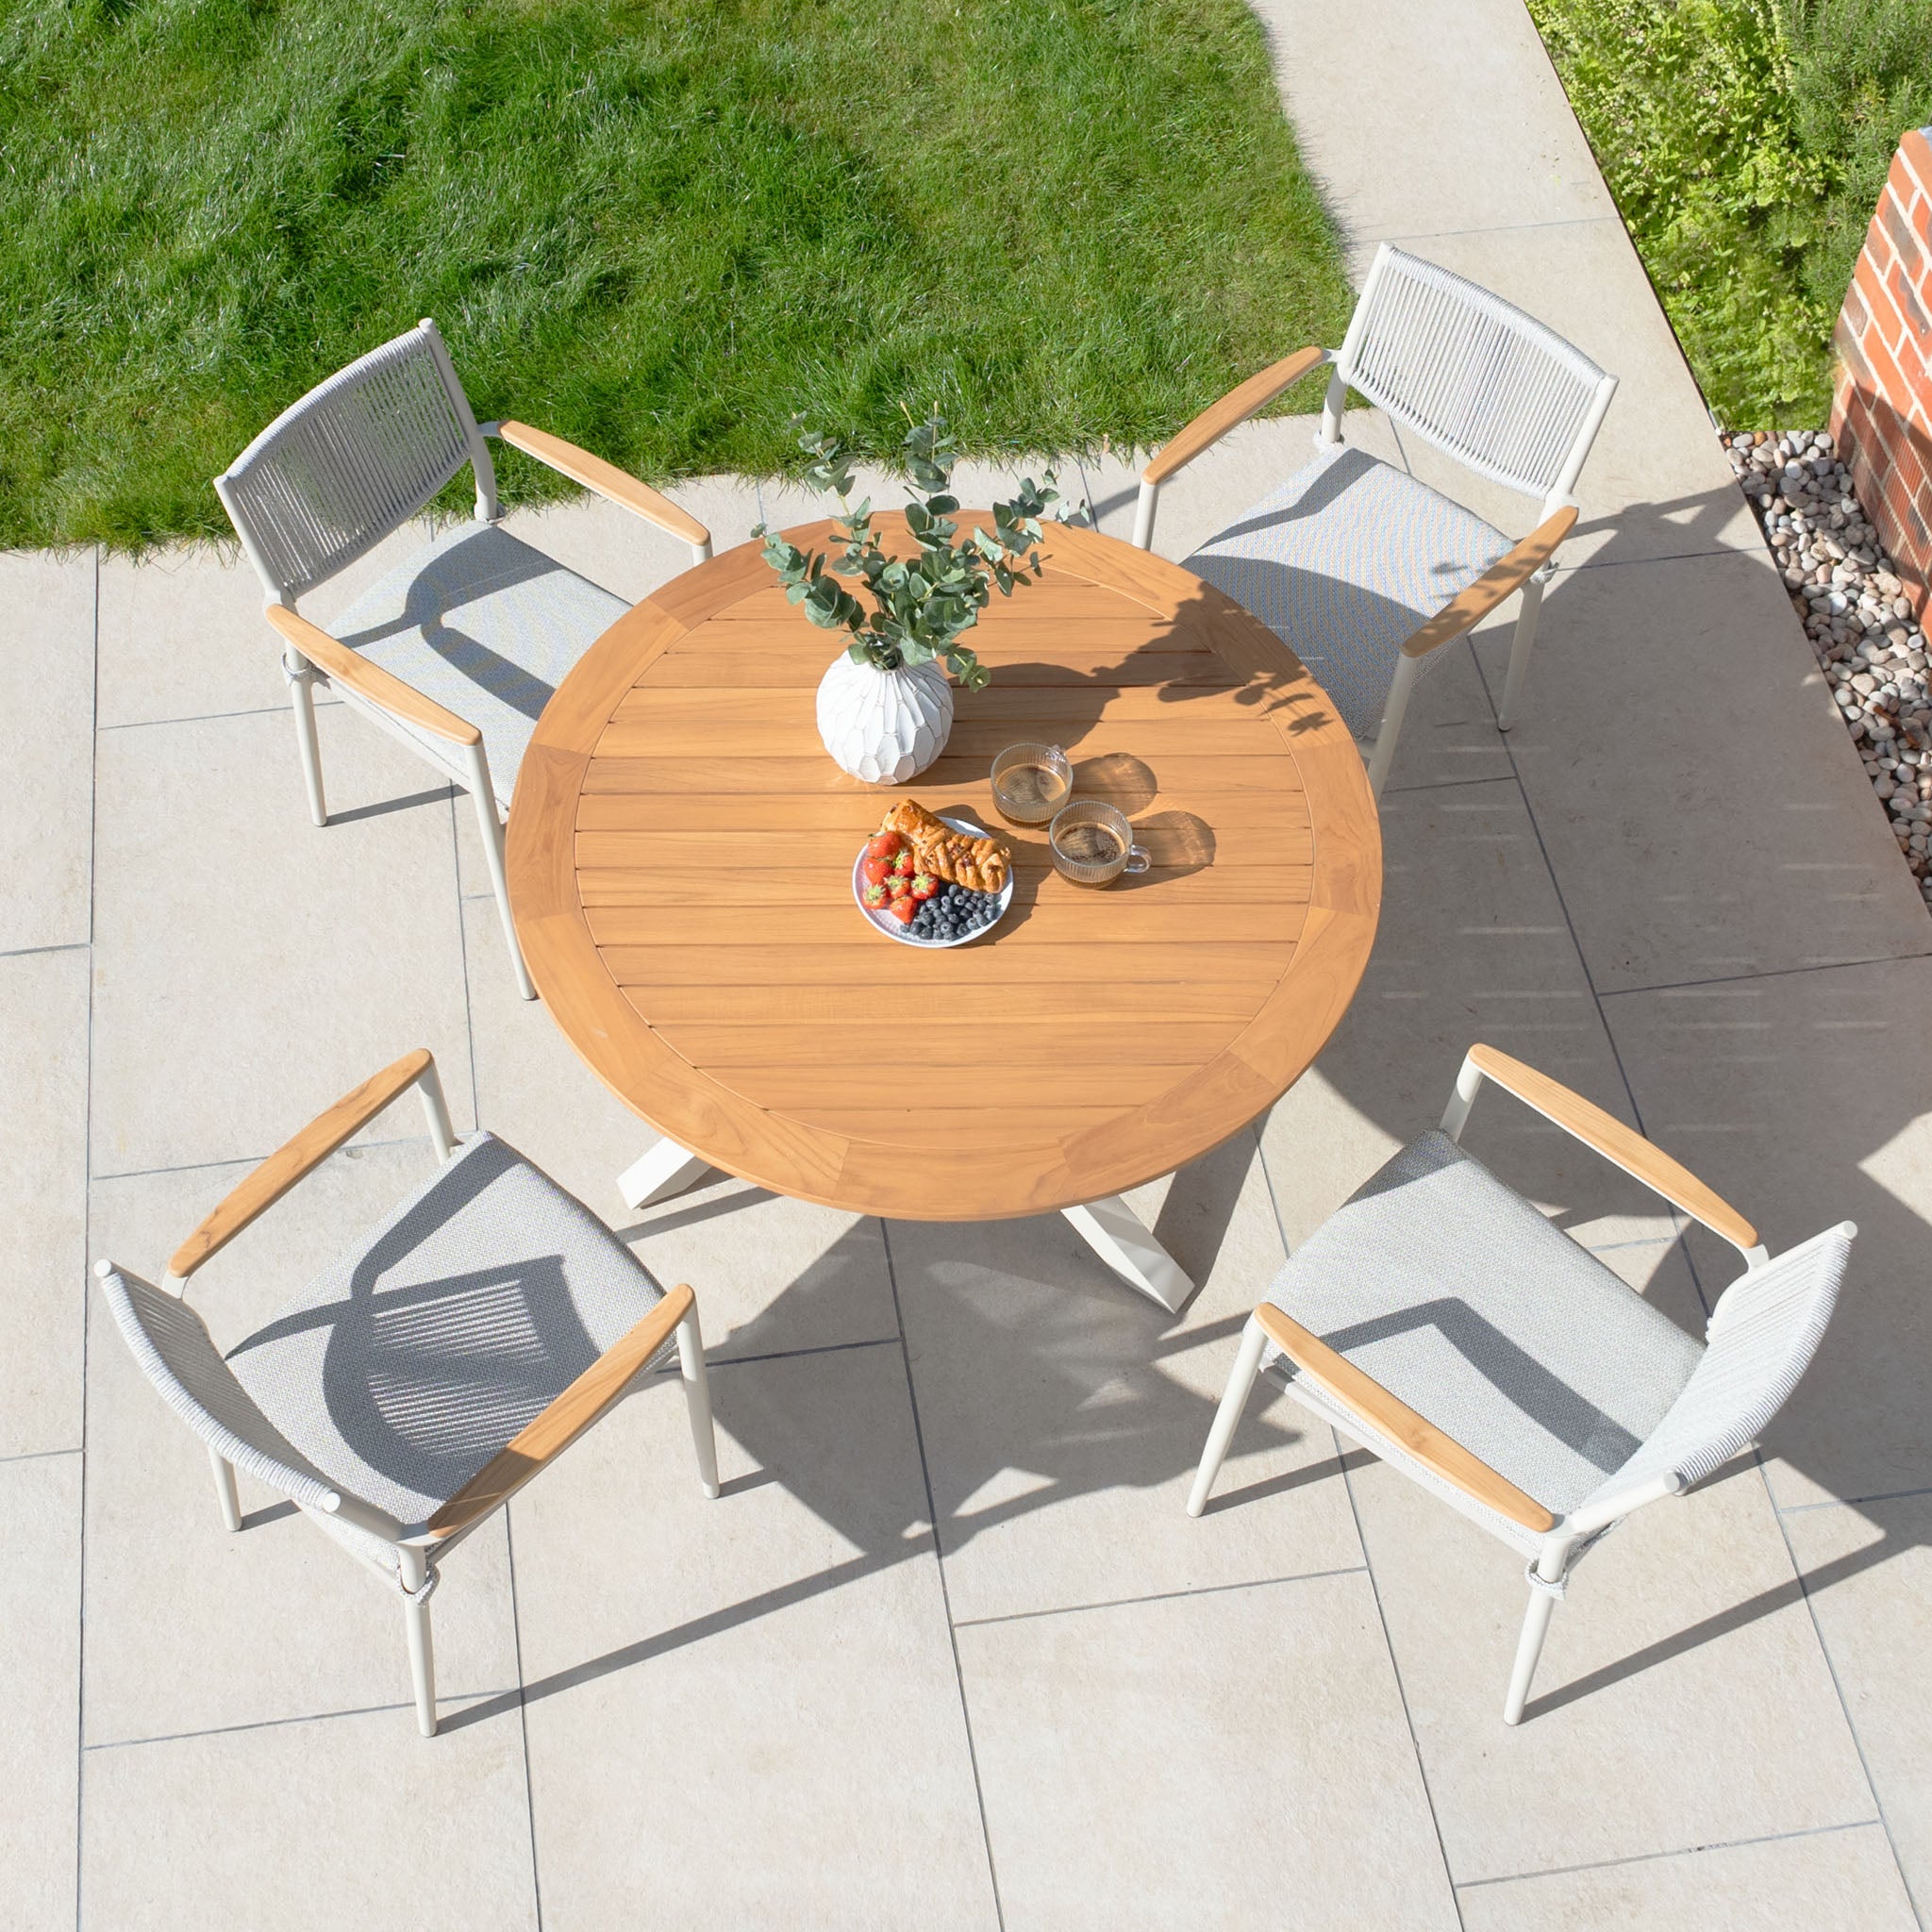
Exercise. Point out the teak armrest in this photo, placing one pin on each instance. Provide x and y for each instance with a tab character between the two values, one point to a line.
1505	576
1624	1146
1237	406
619	486
372	681
290	1163
1387	1415
566	1417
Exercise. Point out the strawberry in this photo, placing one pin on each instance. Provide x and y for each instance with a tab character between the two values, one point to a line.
905	864
902	910
877	897
883	845
924	884
874	871
900	886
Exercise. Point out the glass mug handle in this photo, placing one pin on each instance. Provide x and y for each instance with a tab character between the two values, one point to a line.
1138	859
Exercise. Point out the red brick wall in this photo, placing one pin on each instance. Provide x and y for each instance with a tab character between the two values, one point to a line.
1882	411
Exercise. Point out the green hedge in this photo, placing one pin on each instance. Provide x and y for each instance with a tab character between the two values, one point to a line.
1747	142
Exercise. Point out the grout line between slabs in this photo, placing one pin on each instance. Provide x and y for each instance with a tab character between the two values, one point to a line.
87	1168
1159	1596
1883	1821
1704	1301
1721	1844
1832	1502
203	717
516	1631
1619	992
34	952
1368	1570
940	1567
277	1724
141	1173
1495	228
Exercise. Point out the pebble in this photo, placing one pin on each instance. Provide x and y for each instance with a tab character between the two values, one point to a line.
1852	602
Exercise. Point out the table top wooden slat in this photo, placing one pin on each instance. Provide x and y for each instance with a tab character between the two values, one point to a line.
681	850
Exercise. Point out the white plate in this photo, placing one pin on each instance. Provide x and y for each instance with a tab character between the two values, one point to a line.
881	922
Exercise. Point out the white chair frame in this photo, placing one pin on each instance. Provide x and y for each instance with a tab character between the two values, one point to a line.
1424	345
1385	1424
415	1547
291	562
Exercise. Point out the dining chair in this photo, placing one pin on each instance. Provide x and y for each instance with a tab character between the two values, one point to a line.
1442	1322
448	1356
1362	570
457	649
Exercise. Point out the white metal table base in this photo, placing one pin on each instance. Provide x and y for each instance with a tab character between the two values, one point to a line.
666	1170
1123	1241
1109	1227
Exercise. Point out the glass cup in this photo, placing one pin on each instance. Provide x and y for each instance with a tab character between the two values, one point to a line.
1030	782
1094	844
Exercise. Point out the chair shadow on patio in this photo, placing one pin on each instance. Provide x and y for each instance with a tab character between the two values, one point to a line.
1040	1380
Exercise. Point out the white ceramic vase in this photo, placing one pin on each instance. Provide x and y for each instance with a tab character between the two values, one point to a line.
884	726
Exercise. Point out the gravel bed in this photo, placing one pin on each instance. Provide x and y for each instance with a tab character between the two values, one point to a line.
1854	609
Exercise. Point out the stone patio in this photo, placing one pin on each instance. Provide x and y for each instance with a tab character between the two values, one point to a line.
947	1652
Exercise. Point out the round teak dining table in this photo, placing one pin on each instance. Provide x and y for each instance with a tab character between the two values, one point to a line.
680	856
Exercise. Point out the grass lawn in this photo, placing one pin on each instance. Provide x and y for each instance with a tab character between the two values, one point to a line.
657	228
1747	142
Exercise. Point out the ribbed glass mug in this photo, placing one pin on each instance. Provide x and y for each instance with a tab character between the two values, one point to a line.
1030	782
1092	844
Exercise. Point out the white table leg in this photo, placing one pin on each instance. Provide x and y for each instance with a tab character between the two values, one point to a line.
1117	1234
666	1170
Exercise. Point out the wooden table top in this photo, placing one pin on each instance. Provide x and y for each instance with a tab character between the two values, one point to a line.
680	862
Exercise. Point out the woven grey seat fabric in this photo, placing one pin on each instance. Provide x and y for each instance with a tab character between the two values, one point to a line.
487	627
1345	562
1459	1297
409	1363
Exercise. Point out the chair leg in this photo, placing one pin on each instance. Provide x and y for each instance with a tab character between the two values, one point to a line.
697	1399
1406	671
499	878
1241	1384
1536	1625
225	1491
1520	650
415	1576
301	676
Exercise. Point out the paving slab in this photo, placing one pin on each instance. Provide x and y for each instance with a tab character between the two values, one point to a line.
193	1628
1426	120
1680	859
772	1276
44	1067
47	747
1233	1759
753	1698
1844	1877
1474	945
250	968
182	633
1682	1699
40	1742
1868	1576
1798	1098
1063	1414
348	1821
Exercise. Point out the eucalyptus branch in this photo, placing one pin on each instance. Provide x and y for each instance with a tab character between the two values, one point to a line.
921	607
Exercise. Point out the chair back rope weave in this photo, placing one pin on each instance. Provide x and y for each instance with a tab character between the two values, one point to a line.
1762	1335
354	459
1473	375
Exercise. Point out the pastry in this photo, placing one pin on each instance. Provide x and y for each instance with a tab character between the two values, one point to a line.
978	864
